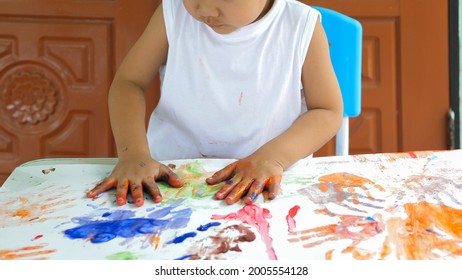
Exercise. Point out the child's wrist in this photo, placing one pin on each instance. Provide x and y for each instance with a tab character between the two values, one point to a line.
127	153
270	155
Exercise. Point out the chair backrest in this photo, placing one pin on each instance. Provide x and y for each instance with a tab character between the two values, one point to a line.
345	39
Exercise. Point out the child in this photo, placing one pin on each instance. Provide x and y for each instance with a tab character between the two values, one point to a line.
235	75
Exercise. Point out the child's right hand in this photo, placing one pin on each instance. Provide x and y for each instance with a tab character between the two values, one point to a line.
136	175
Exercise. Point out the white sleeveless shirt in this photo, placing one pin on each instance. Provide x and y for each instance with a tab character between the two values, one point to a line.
224	96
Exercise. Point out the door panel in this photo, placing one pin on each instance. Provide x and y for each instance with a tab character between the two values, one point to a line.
379	116
405	79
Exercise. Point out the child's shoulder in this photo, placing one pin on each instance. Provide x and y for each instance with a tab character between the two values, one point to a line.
297	11
296	7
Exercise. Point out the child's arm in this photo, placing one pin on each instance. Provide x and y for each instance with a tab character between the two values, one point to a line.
127	108
263	169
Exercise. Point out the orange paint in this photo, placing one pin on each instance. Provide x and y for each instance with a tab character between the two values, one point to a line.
329	254
156	240
38	208
30	252
21	213
346	182
346	228
431	231
361	254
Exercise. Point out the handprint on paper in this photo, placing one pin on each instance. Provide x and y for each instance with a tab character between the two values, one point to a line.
346	190
354	228
435	189
193	175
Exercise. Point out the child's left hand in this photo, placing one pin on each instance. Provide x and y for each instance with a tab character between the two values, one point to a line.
248	177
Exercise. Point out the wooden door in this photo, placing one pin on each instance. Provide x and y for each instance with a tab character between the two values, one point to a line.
57	60
405	75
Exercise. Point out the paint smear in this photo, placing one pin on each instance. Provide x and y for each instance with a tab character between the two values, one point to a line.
41	207
291	224
182	238
37	252
106	231
37	237
187	257
208	226
155	240
123	256
122	224
256	217
217	246
431	231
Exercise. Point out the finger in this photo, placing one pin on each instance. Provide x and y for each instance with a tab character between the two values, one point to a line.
254	191
137	193
227	187
153	190
102	187
274	187
238	192
171	177
121	193
222	175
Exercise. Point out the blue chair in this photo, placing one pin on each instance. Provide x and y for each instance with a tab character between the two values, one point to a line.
345	39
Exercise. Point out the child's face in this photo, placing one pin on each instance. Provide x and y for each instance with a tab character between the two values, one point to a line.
226	16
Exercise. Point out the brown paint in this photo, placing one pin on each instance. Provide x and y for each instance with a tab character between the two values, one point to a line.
223	242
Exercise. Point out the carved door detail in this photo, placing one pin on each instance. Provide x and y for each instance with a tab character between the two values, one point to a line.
57	60
54	84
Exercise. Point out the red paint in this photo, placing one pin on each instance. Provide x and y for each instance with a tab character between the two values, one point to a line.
37	237
412	155
291	224
240	98
254	216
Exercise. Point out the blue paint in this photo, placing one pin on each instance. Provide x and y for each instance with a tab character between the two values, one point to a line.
129	201
432	231
180	219
182	238
102	238
103	225
119	215
106	231
162	212
253	196
93	206
184	258
207	226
